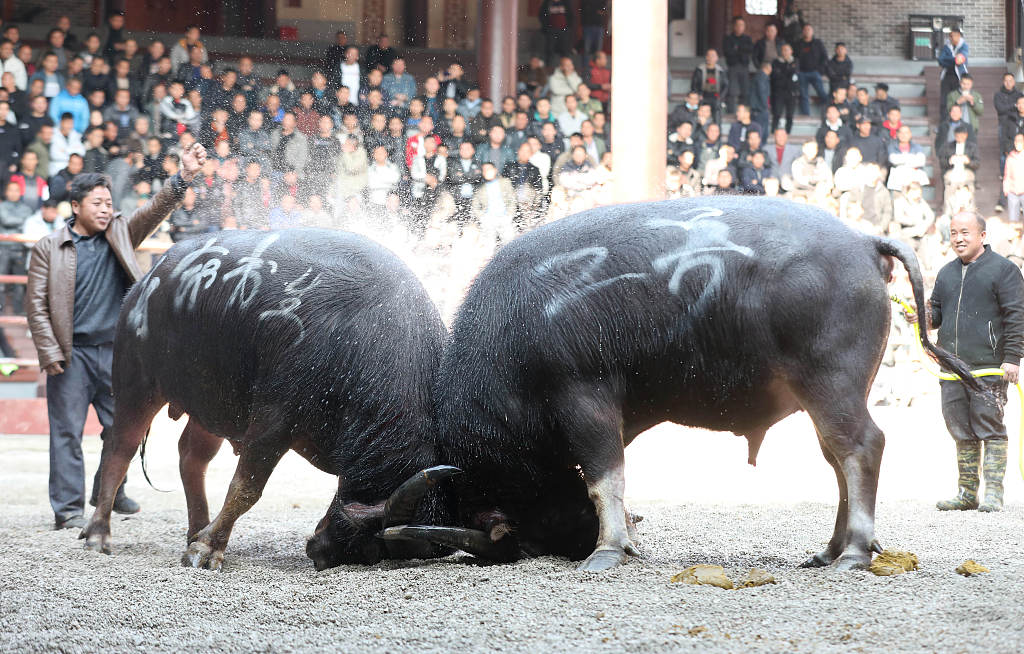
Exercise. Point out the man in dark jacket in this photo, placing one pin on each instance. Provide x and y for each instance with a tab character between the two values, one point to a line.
873	148
1005	101
978	307
711	80
77	278
839	69
785	87
768	47
1012	124
738	49
959	161
813	60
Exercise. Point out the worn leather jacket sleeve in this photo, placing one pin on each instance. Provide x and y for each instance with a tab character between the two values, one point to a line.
37	306
148	217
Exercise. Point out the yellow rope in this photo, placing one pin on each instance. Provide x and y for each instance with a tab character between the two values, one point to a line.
981	372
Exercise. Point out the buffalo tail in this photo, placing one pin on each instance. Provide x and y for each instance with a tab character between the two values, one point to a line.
948	360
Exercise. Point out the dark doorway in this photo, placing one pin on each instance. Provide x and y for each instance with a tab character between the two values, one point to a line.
416	23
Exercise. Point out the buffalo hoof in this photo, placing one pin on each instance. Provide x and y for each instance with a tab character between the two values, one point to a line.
97	538
819	560
201	555
607	558
848	561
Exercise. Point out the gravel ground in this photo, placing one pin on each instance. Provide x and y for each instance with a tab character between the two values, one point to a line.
694	490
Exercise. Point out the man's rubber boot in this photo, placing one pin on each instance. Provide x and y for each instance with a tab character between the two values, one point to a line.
994	469
122	503
968	461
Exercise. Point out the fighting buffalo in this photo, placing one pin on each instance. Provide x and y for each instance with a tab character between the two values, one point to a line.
727	313
317	341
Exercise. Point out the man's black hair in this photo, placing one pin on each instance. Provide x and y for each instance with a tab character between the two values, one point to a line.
966	76
84	183
961	129
67	115
49	203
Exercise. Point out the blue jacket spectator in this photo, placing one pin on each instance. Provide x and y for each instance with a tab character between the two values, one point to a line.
70	101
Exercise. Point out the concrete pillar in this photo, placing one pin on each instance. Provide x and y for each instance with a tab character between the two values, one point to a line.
497	37
639	98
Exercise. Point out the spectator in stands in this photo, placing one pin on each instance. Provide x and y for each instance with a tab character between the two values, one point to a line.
832	124
595	146
832	150
709	146
839	69
380	56
516	133
382	179
959	161
725	159
557	23
49	72
470	105
947	129
55	43
907	161
769	47
911	216
374	79
690	184
563	82
745	153
324	150
710	79
457	134
181	52
334	55
782	154
1013	123
970	101
176	114
742	126
813	61
481	124
1013	178
533	79
725	182
42	222
248	82
96	156
190	73
70	101
543	162
785	87
760	95
753	176
738	49
122	79
9	63
464	176
427	175
891	125
452	83
571	120
287	214
599	78
879	108
526	182
586	102
351	177
495	150
551	144
494	206
544	114
254	142
113	36
953	61
162	76
33	187
399	86
122	113
876	200
306	117
250	204
289	148
13	215
40	145
812	177
185	220
29	123
872	147
66	142
352	76
60	182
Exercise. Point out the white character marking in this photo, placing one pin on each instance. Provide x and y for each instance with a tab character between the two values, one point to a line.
138	317
196	277
286	307
248	272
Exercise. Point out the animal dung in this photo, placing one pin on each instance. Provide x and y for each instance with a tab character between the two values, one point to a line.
893	562
704	575
971	567
757	577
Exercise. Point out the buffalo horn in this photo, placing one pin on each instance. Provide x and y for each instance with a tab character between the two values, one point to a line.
471	541
401	506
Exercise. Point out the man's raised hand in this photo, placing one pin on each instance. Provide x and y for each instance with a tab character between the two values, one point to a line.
192	161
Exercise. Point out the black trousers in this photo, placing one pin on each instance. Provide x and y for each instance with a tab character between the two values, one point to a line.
739	86
85	381
971	416
782	104
12	262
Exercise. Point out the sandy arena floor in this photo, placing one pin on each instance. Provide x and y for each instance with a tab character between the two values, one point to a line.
702	504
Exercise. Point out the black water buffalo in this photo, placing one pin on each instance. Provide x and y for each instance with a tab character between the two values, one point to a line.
318	341
727	313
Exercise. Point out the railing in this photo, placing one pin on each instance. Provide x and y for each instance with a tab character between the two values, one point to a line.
149	245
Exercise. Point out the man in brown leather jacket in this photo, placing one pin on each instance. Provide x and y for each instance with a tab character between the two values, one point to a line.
76	281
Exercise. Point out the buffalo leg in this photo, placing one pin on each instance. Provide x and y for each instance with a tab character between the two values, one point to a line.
593	425
856	444
196	448
257	460
838	540
133	414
